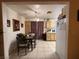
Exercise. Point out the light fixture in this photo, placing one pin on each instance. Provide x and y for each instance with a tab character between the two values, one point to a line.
36	16
47	19
36	12
37	19
49	12
37	6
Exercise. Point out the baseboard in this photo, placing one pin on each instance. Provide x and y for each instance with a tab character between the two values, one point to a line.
50	40
57	54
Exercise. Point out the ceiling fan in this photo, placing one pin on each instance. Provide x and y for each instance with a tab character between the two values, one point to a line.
37	13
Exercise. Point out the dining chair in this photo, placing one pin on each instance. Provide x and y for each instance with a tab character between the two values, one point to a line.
22	43
32	40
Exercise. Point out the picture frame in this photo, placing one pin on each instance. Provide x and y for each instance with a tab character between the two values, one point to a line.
8	23
16	25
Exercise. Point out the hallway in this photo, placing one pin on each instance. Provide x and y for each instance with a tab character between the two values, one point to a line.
43	50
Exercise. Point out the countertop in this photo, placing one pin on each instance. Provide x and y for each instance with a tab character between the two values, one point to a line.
51	32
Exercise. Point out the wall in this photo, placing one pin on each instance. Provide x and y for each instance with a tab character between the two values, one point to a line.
61	42
61	35
73	38
9	35
34	19
45	26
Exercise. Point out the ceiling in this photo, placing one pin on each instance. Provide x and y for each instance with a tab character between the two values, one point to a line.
32	11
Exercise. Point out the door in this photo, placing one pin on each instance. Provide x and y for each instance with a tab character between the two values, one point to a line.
37	28
1	35
40	29
1	43
34	28
27	26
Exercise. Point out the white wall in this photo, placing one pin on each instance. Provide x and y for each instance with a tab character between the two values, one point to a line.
62	38
61	43
9	35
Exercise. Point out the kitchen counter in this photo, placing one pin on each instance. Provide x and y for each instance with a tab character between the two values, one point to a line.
51	32
51	36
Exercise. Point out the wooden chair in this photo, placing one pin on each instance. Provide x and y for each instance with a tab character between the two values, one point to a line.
32	40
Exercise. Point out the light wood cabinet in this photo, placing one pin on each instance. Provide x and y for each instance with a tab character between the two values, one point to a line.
51	24
27	26
51	36
48	36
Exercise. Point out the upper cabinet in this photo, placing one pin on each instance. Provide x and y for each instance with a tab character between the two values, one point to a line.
48	24
51	24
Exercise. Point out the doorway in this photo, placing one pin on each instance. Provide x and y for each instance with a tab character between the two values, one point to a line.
57	47
37	28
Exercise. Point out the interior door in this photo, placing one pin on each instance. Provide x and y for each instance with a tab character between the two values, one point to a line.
27	26
1	35
40	29
34	28
1	43
37	28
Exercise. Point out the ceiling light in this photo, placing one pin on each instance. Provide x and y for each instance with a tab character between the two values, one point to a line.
37	6
48	12
37	19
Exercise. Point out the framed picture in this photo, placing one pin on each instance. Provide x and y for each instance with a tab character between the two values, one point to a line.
78	15
16	25
22	25
8	23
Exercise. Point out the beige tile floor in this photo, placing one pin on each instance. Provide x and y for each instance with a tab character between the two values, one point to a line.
43	50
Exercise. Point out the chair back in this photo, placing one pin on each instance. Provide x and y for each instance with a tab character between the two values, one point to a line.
21	39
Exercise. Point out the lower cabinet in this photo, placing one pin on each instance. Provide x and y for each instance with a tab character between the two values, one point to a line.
51	36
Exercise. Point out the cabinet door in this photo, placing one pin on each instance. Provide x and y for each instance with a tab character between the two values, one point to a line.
49	24
53	36
27	26
48	36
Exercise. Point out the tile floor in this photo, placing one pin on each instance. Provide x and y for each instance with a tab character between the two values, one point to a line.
43	50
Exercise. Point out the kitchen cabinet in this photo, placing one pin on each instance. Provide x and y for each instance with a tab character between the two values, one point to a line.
51	24
51	36
27	26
